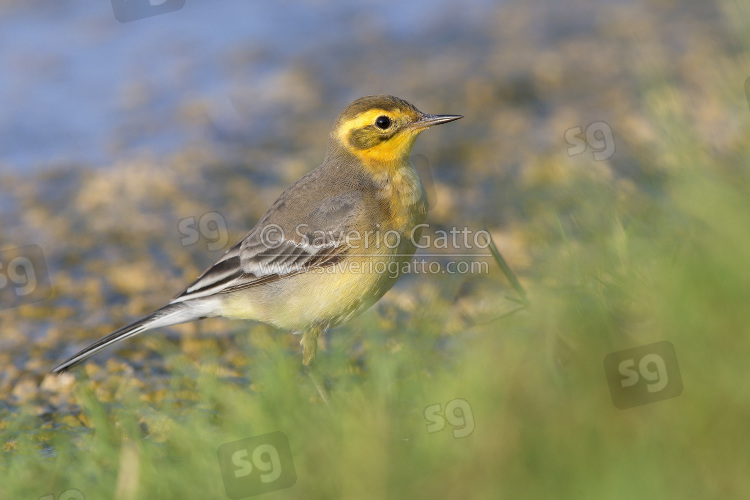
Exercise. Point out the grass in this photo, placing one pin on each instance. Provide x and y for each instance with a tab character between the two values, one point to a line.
544	423
622	255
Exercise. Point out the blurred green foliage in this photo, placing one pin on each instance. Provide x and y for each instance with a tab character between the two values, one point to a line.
651	245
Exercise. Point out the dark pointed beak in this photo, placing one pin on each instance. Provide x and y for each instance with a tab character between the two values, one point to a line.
426	120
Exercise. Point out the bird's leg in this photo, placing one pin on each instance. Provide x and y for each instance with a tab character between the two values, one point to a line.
309	349
309	344
313	373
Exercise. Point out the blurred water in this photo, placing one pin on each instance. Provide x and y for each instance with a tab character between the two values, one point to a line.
77	86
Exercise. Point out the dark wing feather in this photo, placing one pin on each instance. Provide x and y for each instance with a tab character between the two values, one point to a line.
274	250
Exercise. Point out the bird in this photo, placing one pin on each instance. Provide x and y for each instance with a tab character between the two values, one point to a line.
329	247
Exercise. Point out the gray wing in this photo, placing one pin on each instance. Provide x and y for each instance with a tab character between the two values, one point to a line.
274	250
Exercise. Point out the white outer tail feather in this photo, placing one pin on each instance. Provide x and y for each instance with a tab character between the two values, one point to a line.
171	314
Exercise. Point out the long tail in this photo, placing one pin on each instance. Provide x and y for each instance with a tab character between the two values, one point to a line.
170	314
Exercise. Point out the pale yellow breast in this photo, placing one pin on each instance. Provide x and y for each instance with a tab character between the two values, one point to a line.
332	294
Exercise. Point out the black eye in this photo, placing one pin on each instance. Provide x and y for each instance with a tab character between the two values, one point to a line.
382	122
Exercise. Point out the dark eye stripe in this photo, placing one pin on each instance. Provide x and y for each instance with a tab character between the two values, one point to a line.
367	137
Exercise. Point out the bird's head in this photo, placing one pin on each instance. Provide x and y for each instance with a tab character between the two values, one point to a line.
381	129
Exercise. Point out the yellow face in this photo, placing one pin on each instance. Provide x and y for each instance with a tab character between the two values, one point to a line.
379	135
380	130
